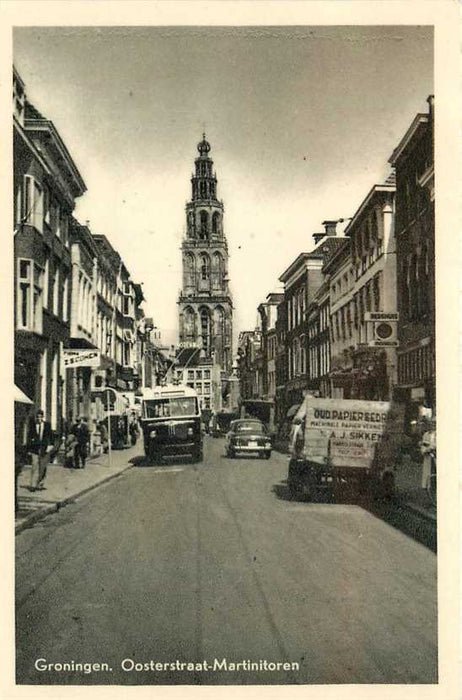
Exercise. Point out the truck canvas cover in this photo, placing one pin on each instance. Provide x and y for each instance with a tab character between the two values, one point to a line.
345	430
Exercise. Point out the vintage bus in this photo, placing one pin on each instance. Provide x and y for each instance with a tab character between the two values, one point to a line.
171	423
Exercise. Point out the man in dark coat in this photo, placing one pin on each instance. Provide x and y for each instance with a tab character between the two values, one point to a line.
39	444
82	435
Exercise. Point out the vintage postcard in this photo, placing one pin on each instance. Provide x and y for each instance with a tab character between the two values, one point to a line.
233	274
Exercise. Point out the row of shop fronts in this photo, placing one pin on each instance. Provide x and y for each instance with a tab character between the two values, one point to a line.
356	318
79	325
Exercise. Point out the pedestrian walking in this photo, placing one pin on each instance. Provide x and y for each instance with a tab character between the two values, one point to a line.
70	448
103	436
428	451
82	436
39	445
133	428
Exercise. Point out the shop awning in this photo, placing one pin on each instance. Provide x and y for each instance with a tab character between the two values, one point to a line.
20	397
292	410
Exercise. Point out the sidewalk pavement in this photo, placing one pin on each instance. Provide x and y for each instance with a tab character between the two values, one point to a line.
63	485
409	490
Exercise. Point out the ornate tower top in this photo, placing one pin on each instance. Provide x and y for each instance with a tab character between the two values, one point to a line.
203	146
204	180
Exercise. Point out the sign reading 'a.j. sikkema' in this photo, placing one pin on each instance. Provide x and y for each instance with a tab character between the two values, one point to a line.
345	430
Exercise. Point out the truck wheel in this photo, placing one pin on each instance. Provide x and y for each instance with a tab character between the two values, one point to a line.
198	455
388	485
153	457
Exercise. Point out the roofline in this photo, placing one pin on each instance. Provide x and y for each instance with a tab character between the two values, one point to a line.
45	125
18	77
419	119
376	189
341	249
20	129
293	266
85	235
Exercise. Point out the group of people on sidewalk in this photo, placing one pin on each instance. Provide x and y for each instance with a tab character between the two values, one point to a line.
77	444
41	446
36	443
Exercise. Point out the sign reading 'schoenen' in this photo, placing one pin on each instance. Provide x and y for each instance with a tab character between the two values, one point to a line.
81	358
345	430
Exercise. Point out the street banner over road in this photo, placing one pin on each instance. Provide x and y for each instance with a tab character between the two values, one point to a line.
81	357
346	430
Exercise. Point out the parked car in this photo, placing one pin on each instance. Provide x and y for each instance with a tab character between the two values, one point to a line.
248	436
220	422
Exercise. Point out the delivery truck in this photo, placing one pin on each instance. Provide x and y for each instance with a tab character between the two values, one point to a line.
339	445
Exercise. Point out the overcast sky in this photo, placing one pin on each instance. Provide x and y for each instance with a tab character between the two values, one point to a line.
301	122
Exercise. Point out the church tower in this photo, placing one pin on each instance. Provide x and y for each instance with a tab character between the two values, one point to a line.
205	303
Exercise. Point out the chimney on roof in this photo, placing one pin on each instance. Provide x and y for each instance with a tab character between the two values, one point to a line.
331	227
317	237
431	105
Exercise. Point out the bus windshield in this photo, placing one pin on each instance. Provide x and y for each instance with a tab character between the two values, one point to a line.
171	408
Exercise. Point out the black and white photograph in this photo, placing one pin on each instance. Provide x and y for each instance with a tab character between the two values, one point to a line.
226	262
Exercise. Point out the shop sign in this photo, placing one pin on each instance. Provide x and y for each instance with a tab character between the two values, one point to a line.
381	316
81	358
383	343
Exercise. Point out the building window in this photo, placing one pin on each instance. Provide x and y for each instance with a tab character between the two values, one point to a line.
46	281
302	358
424	281
126	306
57	220
206	402
205	267
205	329
56	292
207	388
206	374
198	374
368	296
30	295
46	206
376	290
66	298
33	203
204	226
126	350
199	388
